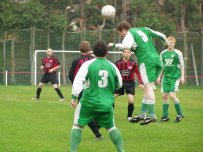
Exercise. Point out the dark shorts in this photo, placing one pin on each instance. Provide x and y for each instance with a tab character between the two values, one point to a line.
50	77
128	88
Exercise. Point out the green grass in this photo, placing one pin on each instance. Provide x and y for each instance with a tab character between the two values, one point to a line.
44	125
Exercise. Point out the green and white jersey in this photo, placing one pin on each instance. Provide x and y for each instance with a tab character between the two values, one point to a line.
99	78
172	63
140	41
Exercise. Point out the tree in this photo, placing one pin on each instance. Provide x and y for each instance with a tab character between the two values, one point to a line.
147	13
7	18
29	14
185	14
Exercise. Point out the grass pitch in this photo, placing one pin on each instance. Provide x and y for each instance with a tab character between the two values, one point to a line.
44	126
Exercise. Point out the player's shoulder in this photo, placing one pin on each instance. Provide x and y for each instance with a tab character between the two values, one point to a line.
89	62
87	56
54	57
177	51
164	51
118	61
132	60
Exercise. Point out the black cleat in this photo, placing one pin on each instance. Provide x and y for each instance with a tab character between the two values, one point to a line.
163	119
178	118
133	120
99	137
148	120
137	118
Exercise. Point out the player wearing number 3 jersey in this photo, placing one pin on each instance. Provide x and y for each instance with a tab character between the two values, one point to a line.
98	78
140	41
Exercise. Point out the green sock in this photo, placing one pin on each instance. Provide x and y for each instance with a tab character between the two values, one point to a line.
150	108
144	108
165	109
178	108
75	138
116	138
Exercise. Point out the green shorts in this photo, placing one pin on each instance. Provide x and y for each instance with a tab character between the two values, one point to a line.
84	115
150	70
169	85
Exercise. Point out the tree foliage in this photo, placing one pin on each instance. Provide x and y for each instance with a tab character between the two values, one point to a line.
185	13
148	13
169	17
6	16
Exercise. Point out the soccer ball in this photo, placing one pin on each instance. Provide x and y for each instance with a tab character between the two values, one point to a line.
108	11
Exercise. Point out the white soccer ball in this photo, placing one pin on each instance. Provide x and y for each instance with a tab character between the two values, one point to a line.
108	11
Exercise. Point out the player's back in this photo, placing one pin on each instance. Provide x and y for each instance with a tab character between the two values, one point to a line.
145	49
77	63
101	80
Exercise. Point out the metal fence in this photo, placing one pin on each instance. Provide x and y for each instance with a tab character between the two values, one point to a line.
17	52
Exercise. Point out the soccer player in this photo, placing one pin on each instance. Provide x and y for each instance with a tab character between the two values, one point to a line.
140	41
50	65
172	75
128	68
85	49
98	77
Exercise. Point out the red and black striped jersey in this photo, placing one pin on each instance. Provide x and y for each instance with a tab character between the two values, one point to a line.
128	70
49	63
76	64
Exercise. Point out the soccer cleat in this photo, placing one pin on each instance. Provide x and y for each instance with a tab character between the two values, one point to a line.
35	98
129	118
148	120
99	138
163	119
62	99
178	118
138	118
132	120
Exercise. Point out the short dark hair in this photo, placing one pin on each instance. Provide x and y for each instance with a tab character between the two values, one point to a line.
123	25
84	47
100	49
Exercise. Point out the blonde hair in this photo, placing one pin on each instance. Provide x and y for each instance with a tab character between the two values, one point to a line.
171	38
49	49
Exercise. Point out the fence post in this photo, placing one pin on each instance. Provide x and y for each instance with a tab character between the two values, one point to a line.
4	56
63	71
13	63
202	55
32	50
185	47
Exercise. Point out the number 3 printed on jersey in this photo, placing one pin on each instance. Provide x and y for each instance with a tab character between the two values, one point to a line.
104	79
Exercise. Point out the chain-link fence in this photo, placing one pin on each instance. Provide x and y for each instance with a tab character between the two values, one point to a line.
17	52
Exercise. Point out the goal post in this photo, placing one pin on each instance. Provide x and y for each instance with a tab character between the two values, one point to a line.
36	60
70	55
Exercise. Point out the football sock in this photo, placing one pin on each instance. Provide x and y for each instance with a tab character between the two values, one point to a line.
59	92
165	109
178	108
38	92
116	138
75	139
150	108
144	108
130	109
93	126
